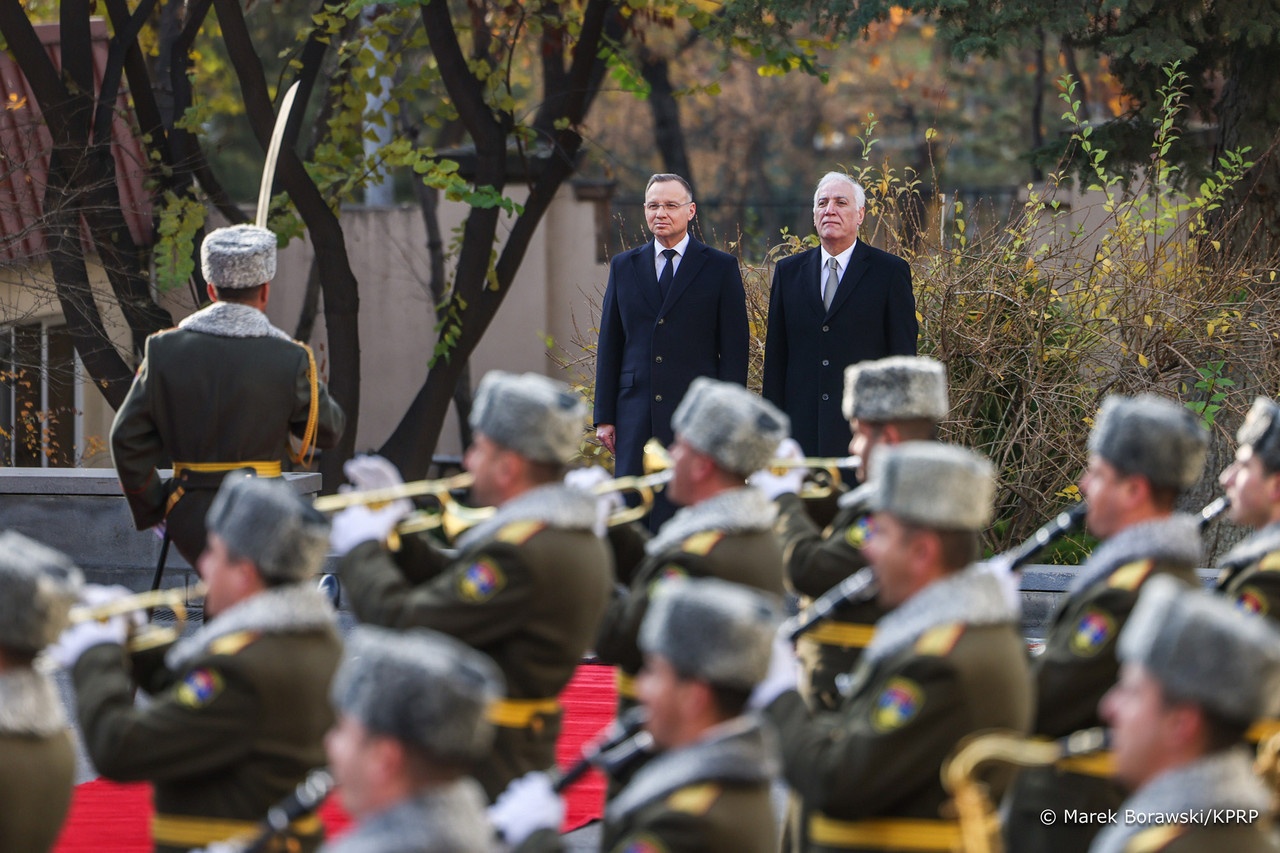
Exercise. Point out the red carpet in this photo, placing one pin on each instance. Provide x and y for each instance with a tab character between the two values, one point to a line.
110	818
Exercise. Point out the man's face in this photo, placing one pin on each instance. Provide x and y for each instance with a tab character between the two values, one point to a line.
837	216
483	459
224	576
888	550
348	746
659	689
684	462
1142	725
867	436
1105	488
668	210
1250	487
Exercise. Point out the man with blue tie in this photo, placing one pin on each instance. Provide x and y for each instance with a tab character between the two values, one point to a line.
673	310
830	307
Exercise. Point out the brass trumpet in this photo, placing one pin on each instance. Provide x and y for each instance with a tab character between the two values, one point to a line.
149	636
416	488
656	458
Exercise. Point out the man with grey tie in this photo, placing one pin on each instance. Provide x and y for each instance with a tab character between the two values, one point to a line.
830	307
673	310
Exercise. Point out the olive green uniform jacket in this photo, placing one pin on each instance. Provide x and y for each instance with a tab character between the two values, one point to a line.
728	536
945	664
1250	574
816	561
225	386
37	762
1219	792
1079	665
239	726
527	588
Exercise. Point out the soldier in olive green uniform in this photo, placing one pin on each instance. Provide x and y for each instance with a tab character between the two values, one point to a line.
1251	571
37	759
946	662
222	391
243	717
723	433
706	643
527	586
1143	452
1195	673
411	722
887	402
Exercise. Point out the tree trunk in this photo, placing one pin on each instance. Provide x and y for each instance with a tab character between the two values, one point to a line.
1248	115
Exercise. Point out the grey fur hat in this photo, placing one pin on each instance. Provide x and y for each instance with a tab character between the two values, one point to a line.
238	256
420	687
537	417
939	486
897	388
1203	649
712	630
264	520
38	586
1151	436
738	429
1261	431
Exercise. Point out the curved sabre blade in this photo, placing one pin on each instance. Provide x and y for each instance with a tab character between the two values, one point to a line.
273	154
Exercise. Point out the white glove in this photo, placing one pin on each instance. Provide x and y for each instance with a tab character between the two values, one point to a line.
78	639
372	472
791	481
359	523
526	806
590	479
783	674
364	522
1010	582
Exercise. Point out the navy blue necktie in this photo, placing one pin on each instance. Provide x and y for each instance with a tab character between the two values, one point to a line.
668	273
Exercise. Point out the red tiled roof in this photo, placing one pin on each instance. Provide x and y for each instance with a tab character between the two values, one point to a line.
24	155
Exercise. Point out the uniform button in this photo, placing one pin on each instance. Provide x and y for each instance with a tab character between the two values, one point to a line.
657	398
658	359
662	320
826	396
826	363
826	328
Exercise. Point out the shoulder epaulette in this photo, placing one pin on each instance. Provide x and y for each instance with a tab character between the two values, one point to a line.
1154	839
694	799
1270	562
1131	575
702	543
233	643
939	641
519	532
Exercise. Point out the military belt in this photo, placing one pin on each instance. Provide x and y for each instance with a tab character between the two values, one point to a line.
270	468
849	635
885	833
521	713
189	831
626	685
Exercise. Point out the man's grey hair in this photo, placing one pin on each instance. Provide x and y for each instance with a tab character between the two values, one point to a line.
663	177
859	197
